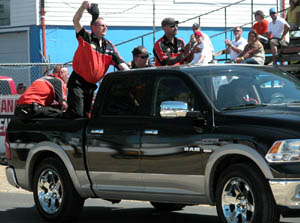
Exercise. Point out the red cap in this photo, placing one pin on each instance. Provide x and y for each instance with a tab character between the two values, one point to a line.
198	33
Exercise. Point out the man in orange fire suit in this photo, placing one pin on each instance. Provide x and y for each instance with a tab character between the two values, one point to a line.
38	101
92	59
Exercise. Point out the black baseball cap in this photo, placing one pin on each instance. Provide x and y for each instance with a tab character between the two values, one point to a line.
196	25
139	50
169	22
94	11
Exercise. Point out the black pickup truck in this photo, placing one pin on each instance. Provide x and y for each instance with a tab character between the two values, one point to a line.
223	135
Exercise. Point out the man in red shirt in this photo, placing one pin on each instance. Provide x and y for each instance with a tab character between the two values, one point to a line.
261	27
46	96
92	59
170	50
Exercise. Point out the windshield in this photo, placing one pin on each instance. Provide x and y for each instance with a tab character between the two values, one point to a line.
235	87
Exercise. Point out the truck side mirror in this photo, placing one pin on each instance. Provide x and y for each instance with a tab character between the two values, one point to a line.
173	109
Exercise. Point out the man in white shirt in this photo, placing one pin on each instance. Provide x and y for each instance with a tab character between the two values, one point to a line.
279	28
196	28
203	54
235	47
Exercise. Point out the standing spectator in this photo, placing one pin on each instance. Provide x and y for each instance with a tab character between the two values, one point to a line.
170	50
196	27
205	55
253	52
92	59
279	28
37	101
21	88
236	46
293	15
261	27
140	58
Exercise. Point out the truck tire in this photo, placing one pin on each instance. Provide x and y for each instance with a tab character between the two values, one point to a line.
54	194
243	196
167	206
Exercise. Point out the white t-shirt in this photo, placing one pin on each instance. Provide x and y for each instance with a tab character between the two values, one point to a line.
205	50
207	39
277	28
240	44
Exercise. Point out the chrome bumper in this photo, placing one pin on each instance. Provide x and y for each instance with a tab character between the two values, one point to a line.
286	193
11	176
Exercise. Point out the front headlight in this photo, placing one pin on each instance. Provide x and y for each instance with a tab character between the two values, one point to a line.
284	151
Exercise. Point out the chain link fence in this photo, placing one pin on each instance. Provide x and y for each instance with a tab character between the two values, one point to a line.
13	75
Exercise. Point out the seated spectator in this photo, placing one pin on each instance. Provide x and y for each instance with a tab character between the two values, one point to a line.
37	101
253	52
140	58
202	55
261	28
293	16
170	50
196	28
236	46
279	29
21	88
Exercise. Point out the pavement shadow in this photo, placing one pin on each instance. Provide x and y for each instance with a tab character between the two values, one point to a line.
109	215
138	215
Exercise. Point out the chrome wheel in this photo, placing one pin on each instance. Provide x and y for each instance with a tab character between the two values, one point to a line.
238	201
50	191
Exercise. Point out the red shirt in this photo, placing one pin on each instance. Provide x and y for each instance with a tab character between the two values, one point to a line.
92	61
262	27
45	91
164	49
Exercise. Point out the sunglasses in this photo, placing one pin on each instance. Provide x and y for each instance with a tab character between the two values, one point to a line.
237	31
101	25
272	13
173	26
144	56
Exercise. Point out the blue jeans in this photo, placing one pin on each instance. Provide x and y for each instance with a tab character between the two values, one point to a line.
249	61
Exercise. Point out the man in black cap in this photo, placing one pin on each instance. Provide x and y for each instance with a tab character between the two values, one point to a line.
140	58
92	59
170	50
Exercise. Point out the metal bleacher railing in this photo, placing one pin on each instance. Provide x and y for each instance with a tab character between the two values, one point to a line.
226	28
285	54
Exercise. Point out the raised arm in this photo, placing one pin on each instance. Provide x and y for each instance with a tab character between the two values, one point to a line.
76	19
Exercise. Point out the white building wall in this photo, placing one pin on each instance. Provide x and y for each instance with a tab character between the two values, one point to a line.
140	12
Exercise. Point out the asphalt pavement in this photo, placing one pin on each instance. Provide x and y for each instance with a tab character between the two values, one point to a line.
19	208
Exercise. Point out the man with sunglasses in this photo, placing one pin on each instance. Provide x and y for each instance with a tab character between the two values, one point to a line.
236	46
92	59
170	50
140	58
279	28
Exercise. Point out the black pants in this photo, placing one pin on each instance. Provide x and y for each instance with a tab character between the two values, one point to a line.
37	111
80	97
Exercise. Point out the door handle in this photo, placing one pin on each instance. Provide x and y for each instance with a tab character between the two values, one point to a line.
151	132
97	131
